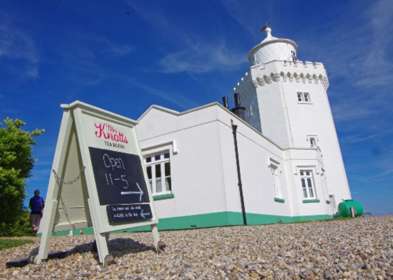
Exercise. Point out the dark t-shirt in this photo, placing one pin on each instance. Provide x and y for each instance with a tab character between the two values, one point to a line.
36	205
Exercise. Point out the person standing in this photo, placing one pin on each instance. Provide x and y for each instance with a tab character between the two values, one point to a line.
36	205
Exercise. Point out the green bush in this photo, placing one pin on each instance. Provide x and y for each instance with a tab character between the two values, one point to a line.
16	162
20	227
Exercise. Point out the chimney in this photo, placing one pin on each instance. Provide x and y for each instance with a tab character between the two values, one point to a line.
236	97
238	110
225	101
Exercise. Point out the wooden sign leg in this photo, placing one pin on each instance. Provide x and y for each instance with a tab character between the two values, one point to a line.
156	237
101	238
102	248
47	228
48	219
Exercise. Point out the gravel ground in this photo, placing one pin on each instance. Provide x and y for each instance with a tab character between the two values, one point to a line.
360	248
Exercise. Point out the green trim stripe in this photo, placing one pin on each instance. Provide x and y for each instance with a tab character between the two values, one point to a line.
217	219
279	200
311	201
163	196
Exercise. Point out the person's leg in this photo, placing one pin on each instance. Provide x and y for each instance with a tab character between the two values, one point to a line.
31	222
35	222
39	221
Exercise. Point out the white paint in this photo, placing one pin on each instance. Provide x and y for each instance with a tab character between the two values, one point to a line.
272	48
205	169
277	127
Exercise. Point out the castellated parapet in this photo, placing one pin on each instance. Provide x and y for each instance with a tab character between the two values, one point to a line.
282	70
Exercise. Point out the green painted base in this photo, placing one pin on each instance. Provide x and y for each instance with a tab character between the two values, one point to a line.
163	196
311	201
217	219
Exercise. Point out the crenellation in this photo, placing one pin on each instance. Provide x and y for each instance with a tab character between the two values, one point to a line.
287	71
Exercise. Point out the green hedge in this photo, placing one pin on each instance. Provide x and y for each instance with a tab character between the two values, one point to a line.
21	227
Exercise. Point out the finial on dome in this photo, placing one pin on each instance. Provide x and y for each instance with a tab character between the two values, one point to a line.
266	28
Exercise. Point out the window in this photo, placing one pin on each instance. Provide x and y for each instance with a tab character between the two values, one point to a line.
307	182
306	96
313	141
299	96
274	168
303	97
158	169
293	55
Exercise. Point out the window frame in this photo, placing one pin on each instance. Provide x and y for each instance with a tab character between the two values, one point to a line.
275	170
309	140
305	190
161	162
301	97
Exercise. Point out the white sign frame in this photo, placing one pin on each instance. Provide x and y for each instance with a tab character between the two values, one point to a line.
75	122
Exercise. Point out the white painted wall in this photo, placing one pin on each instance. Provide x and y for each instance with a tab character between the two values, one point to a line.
197	180
257	180
204	169
249	99
288	122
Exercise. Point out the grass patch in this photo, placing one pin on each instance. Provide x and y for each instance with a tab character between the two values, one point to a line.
9	243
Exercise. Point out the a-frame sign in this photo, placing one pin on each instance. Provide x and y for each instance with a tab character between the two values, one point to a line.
97	179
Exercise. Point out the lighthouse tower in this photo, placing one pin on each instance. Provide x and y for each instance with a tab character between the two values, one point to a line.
286	100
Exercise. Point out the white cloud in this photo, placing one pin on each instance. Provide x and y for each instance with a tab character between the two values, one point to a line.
120	50
353	139
193	56
364	136
248	14
202	59
16	45
82	58
345	112
107	46
358	50
176	99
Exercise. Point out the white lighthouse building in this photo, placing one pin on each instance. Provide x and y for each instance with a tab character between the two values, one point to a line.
275	157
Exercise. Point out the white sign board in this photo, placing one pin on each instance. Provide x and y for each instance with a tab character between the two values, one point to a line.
97	178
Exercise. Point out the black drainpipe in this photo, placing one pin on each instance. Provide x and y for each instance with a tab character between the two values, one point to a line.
239	176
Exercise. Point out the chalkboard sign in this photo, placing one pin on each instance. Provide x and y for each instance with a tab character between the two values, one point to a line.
119	177
128	213
109	193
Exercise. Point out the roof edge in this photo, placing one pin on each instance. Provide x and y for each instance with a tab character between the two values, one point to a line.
91	108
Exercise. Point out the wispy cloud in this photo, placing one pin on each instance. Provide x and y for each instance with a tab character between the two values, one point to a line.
174	98
200	58
120	50
353	139
345	112
18	46
249	18
376	68
81	66
364	136
358	51
108	46
191	55
83	61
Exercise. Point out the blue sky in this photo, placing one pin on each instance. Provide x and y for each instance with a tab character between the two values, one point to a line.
126	55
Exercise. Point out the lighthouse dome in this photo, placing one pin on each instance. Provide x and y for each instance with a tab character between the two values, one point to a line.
272	48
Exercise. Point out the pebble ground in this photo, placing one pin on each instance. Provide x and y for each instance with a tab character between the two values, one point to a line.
360	248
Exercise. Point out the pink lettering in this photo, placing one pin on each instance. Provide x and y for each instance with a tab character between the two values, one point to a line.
106	131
